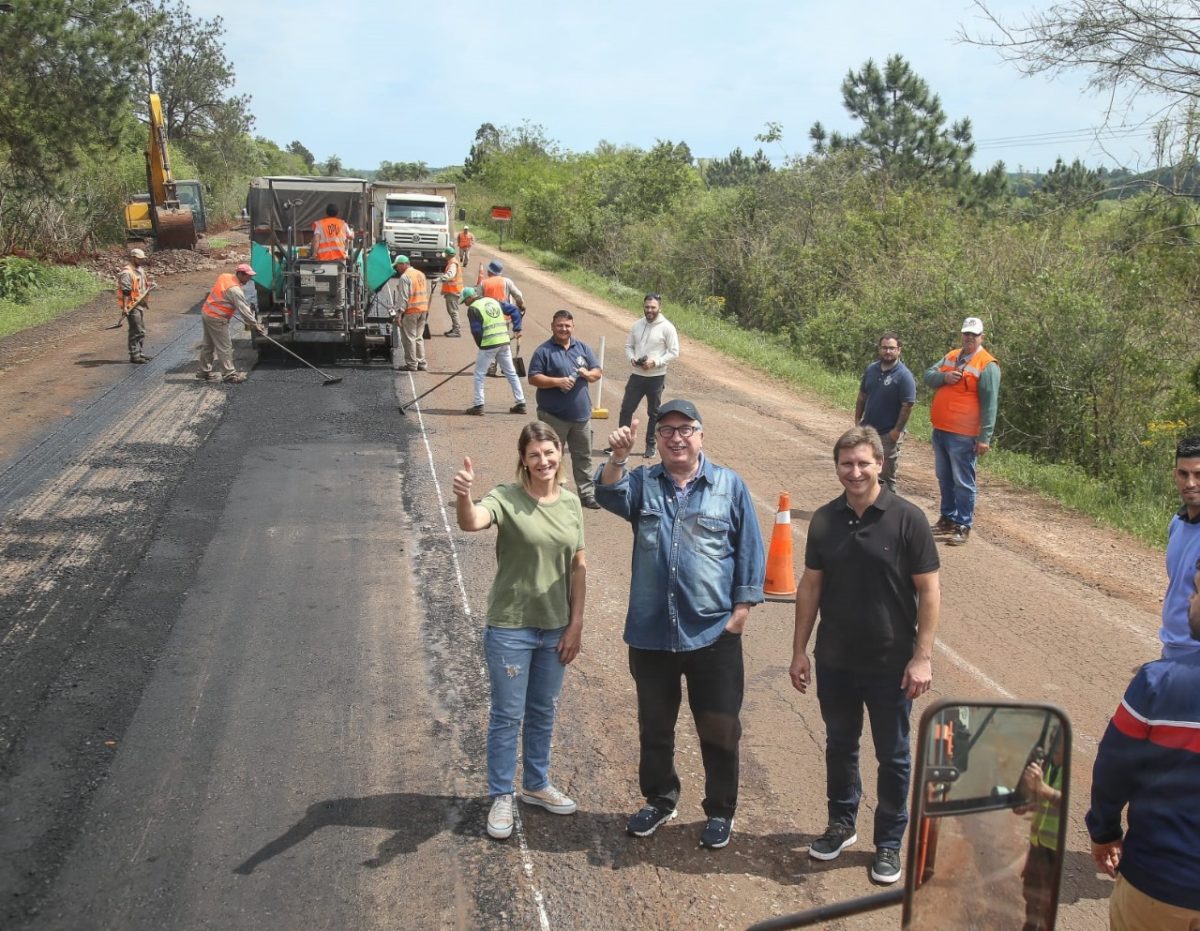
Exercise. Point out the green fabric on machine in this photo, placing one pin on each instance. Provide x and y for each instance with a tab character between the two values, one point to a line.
267	271
378	266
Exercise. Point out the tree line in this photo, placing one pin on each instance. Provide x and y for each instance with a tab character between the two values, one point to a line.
1088	302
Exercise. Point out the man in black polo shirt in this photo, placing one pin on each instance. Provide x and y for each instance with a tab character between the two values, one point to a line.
871	568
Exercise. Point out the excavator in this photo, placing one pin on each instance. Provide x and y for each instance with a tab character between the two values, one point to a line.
172	212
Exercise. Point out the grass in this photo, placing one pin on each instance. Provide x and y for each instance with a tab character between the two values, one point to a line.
65	289
215	242
1142	512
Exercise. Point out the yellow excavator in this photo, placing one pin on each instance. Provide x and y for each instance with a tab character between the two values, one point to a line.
172	212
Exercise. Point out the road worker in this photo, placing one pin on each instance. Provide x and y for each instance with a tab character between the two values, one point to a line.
495	285
132	284
331	237
452	285
224	300
411	305
466	239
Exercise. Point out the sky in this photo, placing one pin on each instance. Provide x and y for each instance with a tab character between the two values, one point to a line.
361	80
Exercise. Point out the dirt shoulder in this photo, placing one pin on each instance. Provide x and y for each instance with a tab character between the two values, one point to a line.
50	371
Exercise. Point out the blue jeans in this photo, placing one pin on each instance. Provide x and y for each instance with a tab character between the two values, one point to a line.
954	463
842	693
526	677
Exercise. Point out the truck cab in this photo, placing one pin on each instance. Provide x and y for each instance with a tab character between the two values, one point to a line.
418	225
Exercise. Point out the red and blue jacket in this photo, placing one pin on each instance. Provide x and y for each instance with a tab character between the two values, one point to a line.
1149	760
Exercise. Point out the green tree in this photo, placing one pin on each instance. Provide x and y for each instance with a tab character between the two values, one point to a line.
487	141
188	69
903	129
735	169
65	73
402	171
1073	185
296	147
331	166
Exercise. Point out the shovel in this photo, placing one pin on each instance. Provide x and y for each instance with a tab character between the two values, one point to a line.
121	320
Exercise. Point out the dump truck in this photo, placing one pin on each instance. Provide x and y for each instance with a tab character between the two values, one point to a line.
415	219
170	212
303	300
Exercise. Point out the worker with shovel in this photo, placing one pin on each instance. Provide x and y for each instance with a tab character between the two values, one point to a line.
224	300
132	287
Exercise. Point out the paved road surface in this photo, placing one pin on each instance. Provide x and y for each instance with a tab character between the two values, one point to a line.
244	685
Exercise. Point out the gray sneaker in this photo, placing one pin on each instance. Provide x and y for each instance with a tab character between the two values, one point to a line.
828	846
500	818
885	868
550	799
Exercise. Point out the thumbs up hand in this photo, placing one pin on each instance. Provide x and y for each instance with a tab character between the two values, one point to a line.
463	479
621	440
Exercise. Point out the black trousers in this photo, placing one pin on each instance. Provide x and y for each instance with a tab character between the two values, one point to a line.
715	681
638	387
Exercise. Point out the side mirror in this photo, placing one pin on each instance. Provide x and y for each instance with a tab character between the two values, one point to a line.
987	834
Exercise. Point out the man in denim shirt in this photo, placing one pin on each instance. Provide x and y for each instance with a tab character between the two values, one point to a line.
698	568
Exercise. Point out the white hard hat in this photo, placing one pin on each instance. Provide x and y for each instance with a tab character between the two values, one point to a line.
136	254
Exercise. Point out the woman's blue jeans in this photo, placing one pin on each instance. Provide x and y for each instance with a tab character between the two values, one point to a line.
526	676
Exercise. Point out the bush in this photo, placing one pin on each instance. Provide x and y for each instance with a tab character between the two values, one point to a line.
19	278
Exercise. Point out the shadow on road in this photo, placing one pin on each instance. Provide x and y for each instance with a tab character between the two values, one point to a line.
96	363
416	818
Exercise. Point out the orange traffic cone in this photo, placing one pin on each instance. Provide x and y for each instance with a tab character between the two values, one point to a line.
781	575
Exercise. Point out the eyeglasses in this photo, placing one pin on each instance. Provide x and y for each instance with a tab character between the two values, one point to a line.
684	431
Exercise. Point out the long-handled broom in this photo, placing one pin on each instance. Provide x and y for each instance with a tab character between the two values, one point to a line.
599	412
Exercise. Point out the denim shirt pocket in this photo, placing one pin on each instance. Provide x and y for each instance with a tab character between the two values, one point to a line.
648	522
712	537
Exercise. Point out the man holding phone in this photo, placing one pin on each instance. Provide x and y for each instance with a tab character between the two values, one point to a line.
561	370
651	346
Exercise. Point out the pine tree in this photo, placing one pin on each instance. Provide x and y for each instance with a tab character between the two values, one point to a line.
904	128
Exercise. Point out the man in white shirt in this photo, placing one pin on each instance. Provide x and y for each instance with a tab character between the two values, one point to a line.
651	346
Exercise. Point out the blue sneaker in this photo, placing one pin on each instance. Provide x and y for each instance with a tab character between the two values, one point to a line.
716	833
648	820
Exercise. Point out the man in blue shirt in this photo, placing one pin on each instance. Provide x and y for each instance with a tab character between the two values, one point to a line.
1183	553
561	369
1148	765
886	396
698	567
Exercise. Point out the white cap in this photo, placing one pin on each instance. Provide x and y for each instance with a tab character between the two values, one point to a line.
973	325
137	254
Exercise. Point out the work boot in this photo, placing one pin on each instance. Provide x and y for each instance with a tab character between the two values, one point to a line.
944	527
206	375
234	378
138	360
492	373
422	366
453	331
476	411
959	537
407	368
518	408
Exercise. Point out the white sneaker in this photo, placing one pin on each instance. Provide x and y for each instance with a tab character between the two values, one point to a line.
550	799
500	818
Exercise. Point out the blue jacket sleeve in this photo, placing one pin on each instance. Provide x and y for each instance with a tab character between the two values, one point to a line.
513	312
749	557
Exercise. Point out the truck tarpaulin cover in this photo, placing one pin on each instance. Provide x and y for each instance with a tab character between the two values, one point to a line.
269	198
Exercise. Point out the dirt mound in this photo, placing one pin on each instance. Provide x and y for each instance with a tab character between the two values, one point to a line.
235	248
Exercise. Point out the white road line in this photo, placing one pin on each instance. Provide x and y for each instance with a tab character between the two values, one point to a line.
526	860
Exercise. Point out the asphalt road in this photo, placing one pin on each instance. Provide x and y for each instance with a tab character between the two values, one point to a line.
244	684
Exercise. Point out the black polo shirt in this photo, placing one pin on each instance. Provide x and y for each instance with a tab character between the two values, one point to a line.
868	610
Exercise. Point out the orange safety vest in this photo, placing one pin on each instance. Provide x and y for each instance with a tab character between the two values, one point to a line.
494	287
418	292
453	285
465	239
955	408
217	305
331	237
135	289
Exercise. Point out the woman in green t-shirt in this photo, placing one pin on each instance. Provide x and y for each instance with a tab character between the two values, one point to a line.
534	617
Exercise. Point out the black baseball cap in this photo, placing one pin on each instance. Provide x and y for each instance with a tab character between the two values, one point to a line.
680	406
